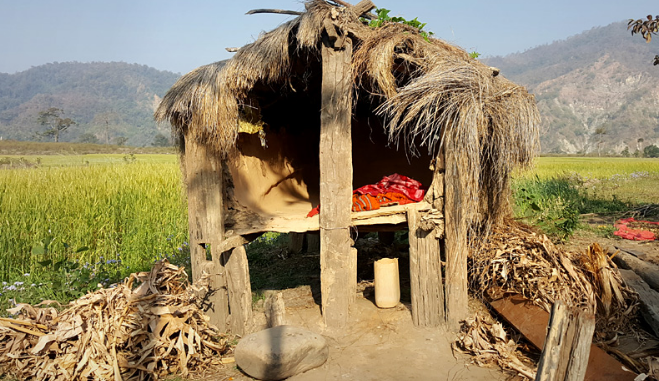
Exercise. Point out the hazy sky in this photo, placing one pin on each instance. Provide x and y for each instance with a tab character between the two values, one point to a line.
182	35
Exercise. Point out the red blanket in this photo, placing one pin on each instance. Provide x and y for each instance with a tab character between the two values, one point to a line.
391	190
395	184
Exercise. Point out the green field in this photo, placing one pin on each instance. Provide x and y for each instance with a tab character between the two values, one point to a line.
93	209
557	191
626	179
73	221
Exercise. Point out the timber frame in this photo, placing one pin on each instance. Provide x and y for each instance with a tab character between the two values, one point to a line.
325	128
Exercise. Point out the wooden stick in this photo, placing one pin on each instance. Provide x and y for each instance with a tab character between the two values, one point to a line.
278	11
335	151
567	347
362	8
550	360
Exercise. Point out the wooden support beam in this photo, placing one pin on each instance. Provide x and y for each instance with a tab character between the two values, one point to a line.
313	242
203	177
455	239
427	291
295	243
336	185
567	347
386	238
239	289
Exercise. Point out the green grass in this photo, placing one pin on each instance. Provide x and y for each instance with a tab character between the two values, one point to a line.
18	148
559	189
85	224
591	167
86	159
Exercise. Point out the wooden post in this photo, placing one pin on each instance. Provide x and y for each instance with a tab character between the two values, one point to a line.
337	269
313	242
427	291
386	238
455	240
295	242
203	176
239	288
567	347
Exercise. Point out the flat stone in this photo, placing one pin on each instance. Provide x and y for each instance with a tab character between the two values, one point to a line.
280	352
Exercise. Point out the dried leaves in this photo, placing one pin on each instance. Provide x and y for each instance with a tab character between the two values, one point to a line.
515	259
124	333
489	344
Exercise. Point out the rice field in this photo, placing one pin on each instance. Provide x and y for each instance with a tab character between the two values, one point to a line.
90	208
631	180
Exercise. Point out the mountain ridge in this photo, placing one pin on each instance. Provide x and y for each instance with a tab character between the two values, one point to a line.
108	100
596	91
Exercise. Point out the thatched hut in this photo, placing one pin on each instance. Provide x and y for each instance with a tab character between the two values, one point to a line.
323	102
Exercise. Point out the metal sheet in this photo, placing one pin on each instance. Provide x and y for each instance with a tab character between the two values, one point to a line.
531	321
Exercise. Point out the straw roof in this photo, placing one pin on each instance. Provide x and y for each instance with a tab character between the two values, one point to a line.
428	93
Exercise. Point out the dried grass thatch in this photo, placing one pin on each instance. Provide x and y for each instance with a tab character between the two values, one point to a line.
515	259
130	332
428	93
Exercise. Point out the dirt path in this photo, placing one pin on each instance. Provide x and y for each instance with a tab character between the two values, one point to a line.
378	344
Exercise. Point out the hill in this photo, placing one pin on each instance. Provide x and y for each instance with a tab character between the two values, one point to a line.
595	91
107	101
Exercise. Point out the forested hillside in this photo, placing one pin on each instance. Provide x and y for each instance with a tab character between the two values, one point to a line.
110	102
596	91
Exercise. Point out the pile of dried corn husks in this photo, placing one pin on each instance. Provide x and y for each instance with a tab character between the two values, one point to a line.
145	328
488	344
516	259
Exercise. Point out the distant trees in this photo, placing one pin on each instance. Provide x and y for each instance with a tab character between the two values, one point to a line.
161	140
646	28
651	151
88	137
599	132
54	123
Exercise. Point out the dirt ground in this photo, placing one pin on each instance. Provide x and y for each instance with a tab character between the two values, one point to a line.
377	344
383	344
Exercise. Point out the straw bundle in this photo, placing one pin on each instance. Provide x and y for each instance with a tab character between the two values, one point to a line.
514	259
124	333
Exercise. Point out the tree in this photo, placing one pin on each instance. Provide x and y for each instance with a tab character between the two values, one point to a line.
651	151
88	138
52	119
161	140
625	152
600	132
120	140
638	152
646	28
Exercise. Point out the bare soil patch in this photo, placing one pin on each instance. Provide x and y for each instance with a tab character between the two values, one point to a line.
377	344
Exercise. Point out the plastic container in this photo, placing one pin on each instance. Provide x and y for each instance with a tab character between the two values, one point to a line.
387	283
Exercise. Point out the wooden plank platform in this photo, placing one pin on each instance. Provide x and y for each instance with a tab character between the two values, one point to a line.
389	215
